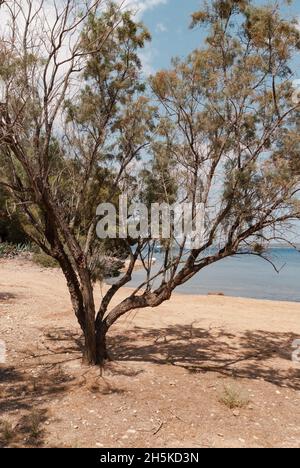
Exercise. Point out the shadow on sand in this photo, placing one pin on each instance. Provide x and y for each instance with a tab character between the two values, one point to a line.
249	355
26	390
5	296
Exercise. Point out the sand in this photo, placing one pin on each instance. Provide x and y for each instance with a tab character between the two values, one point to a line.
166	384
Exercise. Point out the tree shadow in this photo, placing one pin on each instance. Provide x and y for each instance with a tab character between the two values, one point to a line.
62	341
6	296
248	355
29	432
27	389
47	371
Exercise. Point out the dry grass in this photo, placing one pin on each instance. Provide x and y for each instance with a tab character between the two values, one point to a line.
233	397
34	424
7	432
43	260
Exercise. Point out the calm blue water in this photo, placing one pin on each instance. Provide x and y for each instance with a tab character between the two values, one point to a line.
245	276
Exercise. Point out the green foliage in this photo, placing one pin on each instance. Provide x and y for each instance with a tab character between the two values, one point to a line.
10	225
106	126
11	230
159	179
231	106
44	260
8	250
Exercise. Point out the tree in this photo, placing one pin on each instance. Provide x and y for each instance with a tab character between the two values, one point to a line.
75	116
72	119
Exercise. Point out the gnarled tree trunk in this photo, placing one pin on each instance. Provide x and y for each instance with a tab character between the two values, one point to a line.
101	344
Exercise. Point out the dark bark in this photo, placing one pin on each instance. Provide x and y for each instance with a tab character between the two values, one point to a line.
101	345
95	348
74	290
89	354
89	317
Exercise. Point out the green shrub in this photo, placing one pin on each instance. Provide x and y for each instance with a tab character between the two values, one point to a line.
8	250
44	260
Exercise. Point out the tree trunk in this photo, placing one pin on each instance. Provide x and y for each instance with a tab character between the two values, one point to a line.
101	345
89	355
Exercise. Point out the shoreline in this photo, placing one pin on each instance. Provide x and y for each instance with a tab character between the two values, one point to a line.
235	313
190	292
224	295
25	261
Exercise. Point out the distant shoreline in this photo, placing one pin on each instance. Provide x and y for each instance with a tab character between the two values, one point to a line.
212	294
242	276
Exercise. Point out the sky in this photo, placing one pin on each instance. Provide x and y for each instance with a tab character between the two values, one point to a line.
168	22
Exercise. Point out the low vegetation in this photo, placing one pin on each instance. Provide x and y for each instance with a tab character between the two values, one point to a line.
8	250
44	260
233	397
6	432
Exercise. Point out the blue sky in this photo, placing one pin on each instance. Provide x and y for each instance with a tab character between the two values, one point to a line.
168	22
169	26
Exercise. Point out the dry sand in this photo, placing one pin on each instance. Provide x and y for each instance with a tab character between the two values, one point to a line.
165	385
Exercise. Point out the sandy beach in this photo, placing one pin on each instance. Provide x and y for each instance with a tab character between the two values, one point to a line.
170	368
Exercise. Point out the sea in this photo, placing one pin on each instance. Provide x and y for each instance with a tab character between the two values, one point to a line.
244	276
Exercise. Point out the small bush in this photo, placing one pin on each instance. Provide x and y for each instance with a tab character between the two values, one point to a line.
7	432
8	250
35	420
44	260
233	398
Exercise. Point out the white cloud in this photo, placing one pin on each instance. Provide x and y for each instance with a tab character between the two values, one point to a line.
161	27
147	56
141	6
